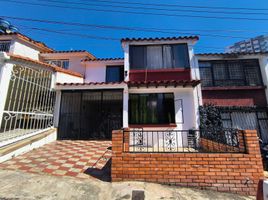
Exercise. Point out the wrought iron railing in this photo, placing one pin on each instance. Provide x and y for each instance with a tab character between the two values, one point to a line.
4	46
155	141
188	141
224	140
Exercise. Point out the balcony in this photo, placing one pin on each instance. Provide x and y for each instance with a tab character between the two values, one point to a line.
4	46
159	62
160	74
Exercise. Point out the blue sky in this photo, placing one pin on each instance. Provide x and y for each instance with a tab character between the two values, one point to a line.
112	48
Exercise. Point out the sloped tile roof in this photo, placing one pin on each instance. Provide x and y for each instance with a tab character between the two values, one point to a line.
160	38
174	83
104	59
231	54
55	68
26	38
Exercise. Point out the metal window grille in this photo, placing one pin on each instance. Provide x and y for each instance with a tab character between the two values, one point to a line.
60	63
4	46
230	73
29	104
206	75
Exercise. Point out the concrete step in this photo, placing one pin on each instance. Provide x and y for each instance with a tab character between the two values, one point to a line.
26	144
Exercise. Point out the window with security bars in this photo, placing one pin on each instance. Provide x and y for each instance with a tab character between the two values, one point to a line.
4	45
60	63
230	73
29	104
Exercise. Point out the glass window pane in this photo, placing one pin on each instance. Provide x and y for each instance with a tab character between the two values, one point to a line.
114	73
220	74
137	57
204	64
167	57
154	57
236	73
151	109
206	77
252	73
180	55
65	64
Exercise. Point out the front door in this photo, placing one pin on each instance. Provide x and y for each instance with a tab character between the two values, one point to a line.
90	114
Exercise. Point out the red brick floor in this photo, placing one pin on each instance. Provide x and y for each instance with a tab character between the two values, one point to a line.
82	159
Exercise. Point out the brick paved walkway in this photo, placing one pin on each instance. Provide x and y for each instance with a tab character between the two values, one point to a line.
82	159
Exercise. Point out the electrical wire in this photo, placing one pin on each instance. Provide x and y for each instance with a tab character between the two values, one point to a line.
137	12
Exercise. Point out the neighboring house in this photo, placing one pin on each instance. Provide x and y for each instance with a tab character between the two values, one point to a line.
252	45
27	87
70	60
237	82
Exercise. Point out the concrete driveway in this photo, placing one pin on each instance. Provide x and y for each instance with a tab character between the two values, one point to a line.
28	186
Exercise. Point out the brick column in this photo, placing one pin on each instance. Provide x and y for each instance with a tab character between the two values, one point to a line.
252	142
117	150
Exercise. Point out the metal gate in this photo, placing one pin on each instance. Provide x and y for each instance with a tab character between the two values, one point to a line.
90	114
253	119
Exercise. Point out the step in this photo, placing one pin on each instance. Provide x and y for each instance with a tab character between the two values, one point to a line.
22	143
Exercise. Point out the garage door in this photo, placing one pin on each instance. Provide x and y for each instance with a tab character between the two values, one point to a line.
90	115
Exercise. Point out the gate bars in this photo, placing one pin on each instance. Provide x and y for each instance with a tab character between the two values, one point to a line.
29	104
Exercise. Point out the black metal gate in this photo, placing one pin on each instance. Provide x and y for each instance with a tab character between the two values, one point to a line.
247	119
90	114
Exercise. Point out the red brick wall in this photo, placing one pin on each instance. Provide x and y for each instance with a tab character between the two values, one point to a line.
158	75
235	97
227	172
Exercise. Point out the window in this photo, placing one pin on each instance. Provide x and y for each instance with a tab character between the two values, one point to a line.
60	63
114	73
159	56
155	108
230	73
4	46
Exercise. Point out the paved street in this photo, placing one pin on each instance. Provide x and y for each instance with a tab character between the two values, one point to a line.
29	186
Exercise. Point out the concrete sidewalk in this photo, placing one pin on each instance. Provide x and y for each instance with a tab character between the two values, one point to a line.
23	185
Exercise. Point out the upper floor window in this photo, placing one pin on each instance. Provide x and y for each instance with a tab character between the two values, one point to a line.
230	73
114	73
4	46
60	63
166	56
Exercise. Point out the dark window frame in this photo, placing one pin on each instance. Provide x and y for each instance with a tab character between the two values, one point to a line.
242	62
162	51
173	114
121	74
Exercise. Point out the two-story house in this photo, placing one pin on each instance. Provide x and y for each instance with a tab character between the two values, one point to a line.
155	86
236	82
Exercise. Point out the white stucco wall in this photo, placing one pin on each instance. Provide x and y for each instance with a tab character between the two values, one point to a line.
24	49
75	60
96	70
67	78
185	106
264	72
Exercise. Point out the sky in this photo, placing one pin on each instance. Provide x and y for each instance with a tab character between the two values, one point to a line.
173	18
